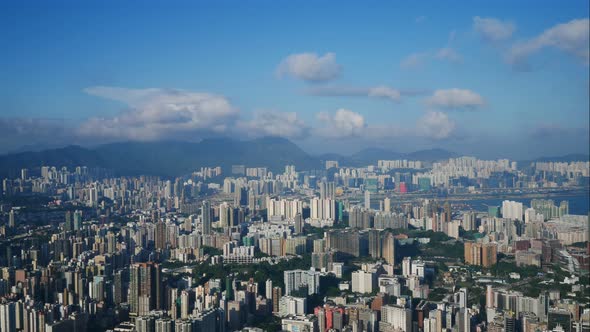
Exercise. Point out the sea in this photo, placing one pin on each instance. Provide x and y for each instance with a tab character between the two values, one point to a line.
578	204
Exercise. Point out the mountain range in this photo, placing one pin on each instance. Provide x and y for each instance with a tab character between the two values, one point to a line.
174	158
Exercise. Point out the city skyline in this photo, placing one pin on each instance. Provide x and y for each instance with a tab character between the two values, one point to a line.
295	166
335	77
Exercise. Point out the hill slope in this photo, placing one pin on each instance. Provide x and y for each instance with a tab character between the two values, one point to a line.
166	158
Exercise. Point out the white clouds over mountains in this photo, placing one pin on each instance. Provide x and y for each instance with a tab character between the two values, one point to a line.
274	123
156	113
343	123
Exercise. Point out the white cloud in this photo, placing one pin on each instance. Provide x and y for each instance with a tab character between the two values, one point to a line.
420	59
343	123
159	113
435	125
492	29
449	54
415	60
455	98
385	92
273	123
571	37
381	91
310	67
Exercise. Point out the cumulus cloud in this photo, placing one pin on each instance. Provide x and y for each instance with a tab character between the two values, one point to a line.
160	113
455	99
381	91
420	59
572	37
343	123
385	92
493	30
310	67
449	54
273	123
415	60
436	125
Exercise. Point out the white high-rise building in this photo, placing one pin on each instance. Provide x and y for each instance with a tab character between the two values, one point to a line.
397	316
268	289
387	204
298	279
407	266
512	210
367	200
322	209
295	306
363	281
463	296
8	317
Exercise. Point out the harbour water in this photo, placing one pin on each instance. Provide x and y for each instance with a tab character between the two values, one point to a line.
578	204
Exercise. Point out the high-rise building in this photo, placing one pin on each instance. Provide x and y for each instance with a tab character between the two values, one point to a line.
298	223
327	190
561	317
388	248
268	289
364	281
367	200
145	288
387	204
375	243
11	219
276	298
351	242
206	217
509	323
8	317
512	210
397	317
477	253
297	280
463	297
160	235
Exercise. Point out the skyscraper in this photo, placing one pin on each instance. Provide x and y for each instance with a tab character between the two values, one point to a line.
268	289
11	219
387	204
298	223
206	217
145	288
160	235
296	280
512	210
367	200
388	249
8	317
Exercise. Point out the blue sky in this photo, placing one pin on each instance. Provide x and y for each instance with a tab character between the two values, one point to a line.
484	78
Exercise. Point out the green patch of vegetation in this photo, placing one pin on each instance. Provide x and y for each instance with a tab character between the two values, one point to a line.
437	294
268	323
504	268
212	251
